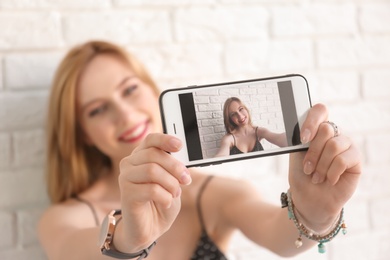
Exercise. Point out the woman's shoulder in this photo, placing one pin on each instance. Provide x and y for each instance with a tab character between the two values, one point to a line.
70	213
227	138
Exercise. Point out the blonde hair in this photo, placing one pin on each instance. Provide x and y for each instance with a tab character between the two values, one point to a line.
72	166
229	124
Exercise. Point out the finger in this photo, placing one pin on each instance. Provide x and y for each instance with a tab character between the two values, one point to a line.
333	147
164	142
346	162
324	133
153	173
316	115
164	160
153	192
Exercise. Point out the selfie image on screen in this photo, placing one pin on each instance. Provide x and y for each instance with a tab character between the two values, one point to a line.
265	106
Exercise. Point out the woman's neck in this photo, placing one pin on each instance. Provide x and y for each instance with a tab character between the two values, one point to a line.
245	130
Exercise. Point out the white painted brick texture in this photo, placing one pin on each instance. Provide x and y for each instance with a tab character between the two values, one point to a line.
375	17
22	110
340	46
30	70
5	150
22	30
120	26
48	4
8	227
315	19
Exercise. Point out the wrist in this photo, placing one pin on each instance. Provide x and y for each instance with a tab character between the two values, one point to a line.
318	218
109	234
322	236
124	242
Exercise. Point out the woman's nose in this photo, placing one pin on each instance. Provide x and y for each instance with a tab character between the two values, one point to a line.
123	112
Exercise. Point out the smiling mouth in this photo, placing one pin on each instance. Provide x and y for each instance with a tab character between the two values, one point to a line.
135	134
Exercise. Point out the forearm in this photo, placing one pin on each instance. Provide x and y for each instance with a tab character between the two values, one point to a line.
79	245
281	234
308	229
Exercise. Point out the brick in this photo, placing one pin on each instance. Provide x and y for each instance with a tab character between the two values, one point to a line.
335	86
375	85
29	148
5	150
21	110
362	117
373	244
1	73
206	131
30	70
143	3
357	206
36	4
22	187
229	92
375	181
27	226
209	107
218	99
7	225
204	24
375	17
29	30
123	27
314	19
201	99
293	54
379	140
204	115
34	252
361	51
194	62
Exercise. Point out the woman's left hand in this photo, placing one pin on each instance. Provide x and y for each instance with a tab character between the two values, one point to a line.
325	177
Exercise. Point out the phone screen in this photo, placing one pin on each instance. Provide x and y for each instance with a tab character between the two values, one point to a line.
270	107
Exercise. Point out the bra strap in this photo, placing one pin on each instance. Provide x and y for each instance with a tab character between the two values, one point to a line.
90	207
198	200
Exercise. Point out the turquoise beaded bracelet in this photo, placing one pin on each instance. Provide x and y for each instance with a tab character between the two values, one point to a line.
308	233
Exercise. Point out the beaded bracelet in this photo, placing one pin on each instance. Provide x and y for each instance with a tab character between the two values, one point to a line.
308	233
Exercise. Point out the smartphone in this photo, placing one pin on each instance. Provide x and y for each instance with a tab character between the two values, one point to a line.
238	120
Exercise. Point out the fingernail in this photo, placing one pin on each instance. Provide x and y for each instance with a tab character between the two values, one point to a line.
316	178
308	168
175	143
186	178
305	137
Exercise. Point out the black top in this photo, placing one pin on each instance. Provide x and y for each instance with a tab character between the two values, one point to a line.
206	249
256	147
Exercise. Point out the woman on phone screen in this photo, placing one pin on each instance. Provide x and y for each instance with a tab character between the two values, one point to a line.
241	135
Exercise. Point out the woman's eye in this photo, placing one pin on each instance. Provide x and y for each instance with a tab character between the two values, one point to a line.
98	110
129	90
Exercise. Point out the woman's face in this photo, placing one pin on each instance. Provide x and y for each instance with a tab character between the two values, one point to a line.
238	114
117	110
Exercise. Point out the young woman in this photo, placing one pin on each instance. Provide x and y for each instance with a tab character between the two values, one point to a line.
106	151
241	135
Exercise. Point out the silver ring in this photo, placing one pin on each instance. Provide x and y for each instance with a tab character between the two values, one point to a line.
335	128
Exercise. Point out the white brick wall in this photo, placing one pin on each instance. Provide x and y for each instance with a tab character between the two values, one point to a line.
342	47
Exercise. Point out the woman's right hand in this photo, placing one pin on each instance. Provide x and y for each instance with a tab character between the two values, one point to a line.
149	181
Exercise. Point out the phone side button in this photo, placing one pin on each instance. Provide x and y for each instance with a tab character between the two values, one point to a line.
192	86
